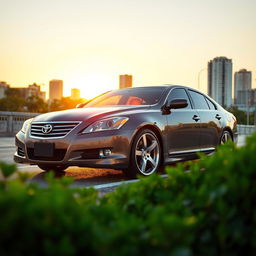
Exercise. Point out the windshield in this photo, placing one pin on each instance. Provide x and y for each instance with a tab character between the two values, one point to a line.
130	97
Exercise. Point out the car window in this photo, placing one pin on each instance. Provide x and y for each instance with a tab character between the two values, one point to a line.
113	100
211	105
131	96
179	93
132	100
198	100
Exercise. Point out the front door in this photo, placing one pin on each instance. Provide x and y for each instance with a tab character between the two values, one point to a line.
183	128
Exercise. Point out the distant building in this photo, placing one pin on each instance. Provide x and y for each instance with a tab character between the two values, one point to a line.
246	100
3	87
252	101
55	89
75	94
25	92
18	92
125	81
35	90
220	80
243	86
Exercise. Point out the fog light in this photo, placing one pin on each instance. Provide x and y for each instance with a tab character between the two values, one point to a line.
105	152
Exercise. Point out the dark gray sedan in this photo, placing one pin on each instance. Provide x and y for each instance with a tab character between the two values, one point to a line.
135	130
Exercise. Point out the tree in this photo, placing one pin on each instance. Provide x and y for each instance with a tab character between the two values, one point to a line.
36	105
12	103
241	115
64	103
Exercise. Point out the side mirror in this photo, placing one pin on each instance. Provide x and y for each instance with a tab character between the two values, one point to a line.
178	103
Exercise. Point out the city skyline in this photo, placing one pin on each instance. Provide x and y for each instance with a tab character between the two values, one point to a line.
127	81
87	44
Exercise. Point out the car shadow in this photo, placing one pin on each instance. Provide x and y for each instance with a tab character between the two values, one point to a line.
86	177
97	178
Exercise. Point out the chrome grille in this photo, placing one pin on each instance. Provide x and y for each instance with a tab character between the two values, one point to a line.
59	129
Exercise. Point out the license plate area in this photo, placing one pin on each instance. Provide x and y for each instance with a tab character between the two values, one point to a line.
43	149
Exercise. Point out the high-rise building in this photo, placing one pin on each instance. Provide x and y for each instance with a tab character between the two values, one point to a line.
220	80
243	86
125	81
75	94
55	89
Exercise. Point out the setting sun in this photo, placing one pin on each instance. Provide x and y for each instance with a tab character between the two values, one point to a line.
90	84
89	44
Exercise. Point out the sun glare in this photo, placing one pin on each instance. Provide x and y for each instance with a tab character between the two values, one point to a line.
91	85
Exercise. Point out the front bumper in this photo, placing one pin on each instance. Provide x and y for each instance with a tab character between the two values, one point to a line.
83	150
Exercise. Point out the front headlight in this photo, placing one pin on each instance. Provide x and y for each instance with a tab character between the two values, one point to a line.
26	125
108	124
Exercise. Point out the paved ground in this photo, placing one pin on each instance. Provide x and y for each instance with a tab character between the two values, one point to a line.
103	179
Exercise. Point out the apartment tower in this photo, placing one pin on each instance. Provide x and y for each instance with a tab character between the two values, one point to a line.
55	89
243	86
125	81
220	80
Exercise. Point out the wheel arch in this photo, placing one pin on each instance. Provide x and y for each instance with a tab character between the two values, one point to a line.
228	129
157	131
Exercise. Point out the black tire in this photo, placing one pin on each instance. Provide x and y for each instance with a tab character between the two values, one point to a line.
146	154
55	168
225	137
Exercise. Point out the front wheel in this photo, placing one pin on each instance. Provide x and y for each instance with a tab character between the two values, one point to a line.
55	168
225	137
145	154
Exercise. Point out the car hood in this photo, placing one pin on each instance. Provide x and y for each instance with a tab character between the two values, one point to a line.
82	114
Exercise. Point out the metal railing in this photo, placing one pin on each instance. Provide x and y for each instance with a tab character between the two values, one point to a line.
246	129
11	122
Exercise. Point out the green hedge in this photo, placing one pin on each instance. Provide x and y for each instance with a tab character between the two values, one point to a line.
207	211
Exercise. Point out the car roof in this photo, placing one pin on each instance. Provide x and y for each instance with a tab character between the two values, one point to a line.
159	86
164	86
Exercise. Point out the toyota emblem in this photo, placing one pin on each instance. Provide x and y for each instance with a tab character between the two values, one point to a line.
47	128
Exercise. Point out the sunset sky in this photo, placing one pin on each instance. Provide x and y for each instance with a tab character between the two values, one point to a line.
89	43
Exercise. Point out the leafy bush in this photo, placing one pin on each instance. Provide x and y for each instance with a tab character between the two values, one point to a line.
207	211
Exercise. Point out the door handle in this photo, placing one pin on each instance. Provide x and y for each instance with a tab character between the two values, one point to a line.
196	118
218	117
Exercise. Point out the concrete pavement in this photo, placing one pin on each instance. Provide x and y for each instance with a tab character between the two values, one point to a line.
102	179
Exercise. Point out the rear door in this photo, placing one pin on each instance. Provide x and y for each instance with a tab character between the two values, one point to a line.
183	128
210	121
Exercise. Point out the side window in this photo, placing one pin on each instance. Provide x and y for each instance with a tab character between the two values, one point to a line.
211	105
179	93
199	100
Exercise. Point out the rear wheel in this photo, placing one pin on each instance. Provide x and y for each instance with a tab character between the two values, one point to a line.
145	154
55	168
225	137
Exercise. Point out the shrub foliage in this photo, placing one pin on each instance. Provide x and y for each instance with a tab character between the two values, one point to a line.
208	210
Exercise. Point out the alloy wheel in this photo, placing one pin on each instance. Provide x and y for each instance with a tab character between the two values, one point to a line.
225	137
147	153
